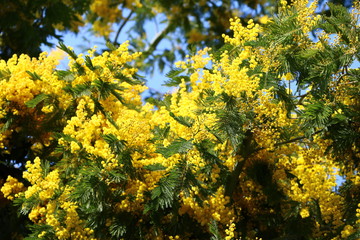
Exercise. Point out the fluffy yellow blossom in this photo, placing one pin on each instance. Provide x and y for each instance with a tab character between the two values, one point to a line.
12	187
306	14
34	172
213	208
230	231
242	34
347	231
304	213
264	19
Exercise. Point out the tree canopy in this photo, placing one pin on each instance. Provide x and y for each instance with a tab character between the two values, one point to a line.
248	145
27	25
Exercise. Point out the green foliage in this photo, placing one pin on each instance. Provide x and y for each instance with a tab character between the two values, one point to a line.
316	115
231	121
155	167
115	144
24	33
36	100
178	146
215	231
175	78
186	121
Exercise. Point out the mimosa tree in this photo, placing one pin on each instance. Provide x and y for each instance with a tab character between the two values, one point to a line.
248	146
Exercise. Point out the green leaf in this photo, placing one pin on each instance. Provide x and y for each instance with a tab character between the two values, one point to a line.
160	133
128	80
65	75
115	144
174	78
155	167
79	90
186	121
5	74
166	101
307	53
174	72
36	100
89	63
178	146
71	53
116	177
117	230
110	46
45	165
214	230
316	114
34	76
99	107
175	81
217	53
106	88
166	192
354	236
7	124
230	124
103	88
338	118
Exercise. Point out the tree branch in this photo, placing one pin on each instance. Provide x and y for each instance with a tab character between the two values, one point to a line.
289	141
122	26
158	39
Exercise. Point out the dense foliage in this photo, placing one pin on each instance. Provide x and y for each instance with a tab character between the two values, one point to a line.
248	145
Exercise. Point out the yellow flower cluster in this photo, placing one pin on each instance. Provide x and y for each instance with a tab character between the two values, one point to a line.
63	217
271	116
347	231
242	34
23	80
214	208
19	86
316	179
12	187
306	14
44	186
108	15
34	171
230	232
306	17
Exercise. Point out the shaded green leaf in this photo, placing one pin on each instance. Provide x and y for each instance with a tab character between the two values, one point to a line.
36	100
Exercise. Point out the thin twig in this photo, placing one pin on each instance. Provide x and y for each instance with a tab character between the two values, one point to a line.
122	26
288	141
302	97
158	39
